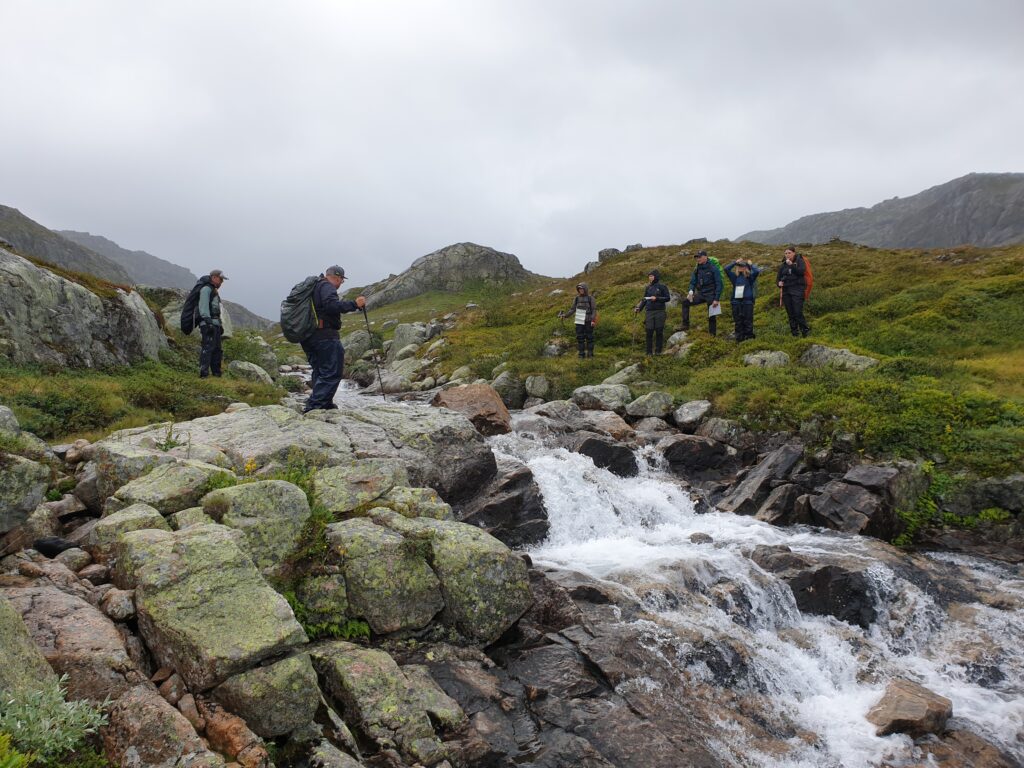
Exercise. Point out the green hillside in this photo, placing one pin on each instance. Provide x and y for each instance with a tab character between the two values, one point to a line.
946	326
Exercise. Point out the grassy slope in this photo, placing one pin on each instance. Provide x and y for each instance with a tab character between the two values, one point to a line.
946	326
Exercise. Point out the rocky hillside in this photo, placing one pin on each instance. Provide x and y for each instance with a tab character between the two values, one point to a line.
33	239
144	268
449	269
982	209
50	320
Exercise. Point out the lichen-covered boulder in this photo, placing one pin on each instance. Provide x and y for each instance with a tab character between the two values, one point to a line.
273	700
323	598
820	356
357	344
118	463
602	397
187	517
388	583
250	372
203	607
388	705
24	667
22	485
105	534
657	404
767	359
270	515
485	585
688	416
626	375
170	488
345	487
416	502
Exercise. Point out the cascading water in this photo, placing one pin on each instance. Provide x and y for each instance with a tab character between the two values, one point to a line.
819	673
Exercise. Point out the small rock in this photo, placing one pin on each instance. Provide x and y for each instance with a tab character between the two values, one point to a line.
119	604
907	707
75	559
767	359
172	689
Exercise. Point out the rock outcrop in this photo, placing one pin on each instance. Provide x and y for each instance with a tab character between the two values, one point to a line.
50	320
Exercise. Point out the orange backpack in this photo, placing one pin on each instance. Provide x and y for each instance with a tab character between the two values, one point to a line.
808	278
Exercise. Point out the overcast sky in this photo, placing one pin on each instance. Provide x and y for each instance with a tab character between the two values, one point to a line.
273	138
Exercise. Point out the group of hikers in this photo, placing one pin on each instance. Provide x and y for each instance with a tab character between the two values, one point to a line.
706	287
311	315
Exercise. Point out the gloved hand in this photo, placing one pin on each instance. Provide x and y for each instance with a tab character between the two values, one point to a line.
561	314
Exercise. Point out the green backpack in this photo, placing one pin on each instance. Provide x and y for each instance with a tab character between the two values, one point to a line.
721	271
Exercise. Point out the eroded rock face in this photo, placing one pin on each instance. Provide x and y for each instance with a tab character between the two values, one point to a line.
479	403
49	320
203	608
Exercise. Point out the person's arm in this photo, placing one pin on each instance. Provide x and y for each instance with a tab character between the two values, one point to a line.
718	284
755	271
693	282
593	311
728	271
798	265
205	294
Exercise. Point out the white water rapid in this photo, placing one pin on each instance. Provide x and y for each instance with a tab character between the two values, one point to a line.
820	673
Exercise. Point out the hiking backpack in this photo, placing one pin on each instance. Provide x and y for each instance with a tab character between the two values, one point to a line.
298	315
808	277
721	270
190	309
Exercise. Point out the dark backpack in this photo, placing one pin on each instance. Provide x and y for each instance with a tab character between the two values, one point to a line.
190	309
298	315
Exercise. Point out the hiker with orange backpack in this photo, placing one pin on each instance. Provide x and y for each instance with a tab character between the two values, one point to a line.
793	290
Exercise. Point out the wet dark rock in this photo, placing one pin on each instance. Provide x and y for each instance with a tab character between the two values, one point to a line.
692	453
748	496
510	508
609	454
854	509
780	508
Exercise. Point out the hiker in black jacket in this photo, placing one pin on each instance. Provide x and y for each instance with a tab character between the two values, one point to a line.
323	349
210	326
792	284
656	297
584	311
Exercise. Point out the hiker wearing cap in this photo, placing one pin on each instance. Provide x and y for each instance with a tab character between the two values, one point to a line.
743	276
705	288
656	297
210	327
584	311
323	349
792	287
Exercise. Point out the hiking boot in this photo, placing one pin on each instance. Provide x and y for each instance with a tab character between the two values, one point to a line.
806	332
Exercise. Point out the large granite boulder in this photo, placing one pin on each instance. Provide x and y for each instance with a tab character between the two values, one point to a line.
657	404
22	485
608	423
688	416
626	375
49	320
242	369
747	497
170	488
607	453
854	509
481	404
388	583
602	397
357	344
406	334
273	700
203	608
510	389
106	534
119	460
76	639
511	508
908	707
391	706
485	585
24	667
820	356
347	487
270	515
439	448
692	453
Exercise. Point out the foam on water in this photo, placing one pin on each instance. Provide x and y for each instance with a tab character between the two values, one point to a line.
613	528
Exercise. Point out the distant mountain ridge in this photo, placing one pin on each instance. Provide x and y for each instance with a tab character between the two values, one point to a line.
983	209
143	267
33	239
448	269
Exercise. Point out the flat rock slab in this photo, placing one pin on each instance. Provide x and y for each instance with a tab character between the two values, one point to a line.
107	532
171	488
203	608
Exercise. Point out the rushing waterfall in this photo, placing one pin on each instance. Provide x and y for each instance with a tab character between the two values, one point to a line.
817	672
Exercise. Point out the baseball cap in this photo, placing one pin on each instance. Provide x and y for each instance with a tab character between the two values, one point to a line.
218	273
698	254
335	270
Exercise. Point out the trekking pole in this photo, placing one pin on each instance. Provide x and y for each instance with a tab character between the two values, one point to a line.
376	359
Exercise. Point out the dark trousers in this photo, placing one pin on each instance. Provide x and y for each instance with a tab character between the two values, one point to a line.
585	339
743	319
327	358
794	304
210	353
699	299
654	325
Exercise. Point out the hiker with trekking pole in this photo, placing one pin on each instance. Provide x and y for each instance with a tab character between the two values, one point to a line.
656	298
793	278
311	316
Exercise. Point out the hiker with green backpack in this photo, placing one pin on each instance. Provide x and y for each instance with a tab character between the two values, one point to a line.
311	316
705	288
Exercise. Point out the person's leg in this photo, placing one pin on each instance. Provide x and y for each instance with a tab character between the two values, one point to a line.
737	320
309	348
581	340
337	355
787	302
328	374
798	314
659	332
747	311
649	330
205	350
590	340
686	313
712	319
217	353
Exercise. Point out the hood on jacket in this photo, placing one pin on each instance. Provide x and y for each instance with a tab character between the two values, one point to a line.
585	287
656	273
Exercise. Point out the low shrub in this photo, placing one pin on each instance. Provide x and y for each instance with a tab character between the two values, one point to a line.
43	723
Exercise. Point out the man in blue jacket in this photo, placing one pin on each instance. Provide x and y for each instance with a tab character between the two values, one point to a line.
705	288
656	296
323	349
